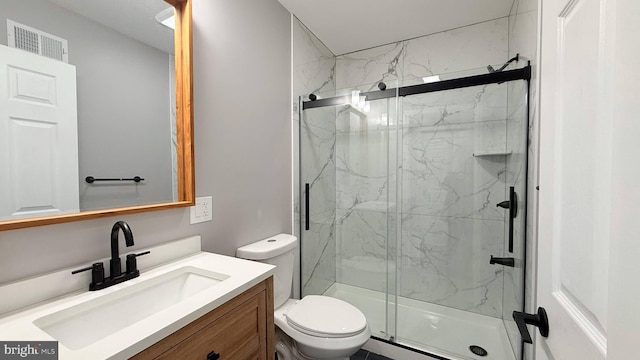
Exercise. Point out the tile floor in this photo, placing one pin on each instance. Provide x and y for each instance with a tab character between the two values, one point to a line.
365	355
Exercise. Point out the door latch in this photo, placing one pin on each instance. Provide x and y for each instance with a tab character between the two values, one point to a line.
540	320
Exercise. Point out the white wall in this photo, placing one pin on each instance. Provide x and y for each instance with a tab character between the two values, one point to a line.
242	77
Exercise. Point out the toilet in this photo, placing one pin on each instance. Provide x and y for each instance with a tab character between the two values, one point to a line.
315	327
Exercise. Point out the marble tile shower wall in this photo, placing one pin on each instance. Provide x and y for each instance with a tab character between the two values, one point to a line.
366	170
449	223
314	67
317	144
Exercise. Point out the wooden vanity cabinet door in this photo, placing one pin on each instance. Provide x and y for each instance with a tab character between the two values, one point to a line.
234	336
237	330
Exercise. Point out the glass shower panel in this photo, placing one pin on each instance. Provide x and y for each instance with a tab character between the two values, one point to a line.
318	187
454	155
516	174
348	158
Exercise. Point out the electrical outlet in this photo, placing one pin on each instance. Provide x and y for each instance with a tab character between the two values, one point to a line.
202	211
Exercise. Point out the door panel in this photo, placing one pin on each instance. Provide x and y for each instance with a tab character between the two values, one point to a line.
583	147
38	133
575	180
33	165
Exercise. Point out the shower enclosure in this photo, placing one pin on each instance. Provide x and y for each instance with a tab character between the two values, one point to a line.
412	207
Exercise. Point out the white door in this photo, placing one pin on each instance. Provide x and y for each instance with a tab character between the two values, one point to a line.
588	236
38	136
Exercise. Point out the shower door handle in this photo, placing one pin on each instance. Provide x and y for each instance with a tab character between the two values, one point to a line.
306	206
540	320
513	212
512	205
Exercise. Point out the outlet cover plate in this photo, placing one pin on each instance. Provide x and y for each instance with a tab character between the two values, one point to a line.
203	210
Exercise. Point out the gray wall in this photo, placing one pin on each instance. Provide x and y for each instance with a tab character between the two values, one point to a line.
242	86
123	86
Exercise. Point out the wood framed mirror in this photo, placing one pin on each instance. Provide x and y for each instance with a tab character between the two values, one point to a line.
182	154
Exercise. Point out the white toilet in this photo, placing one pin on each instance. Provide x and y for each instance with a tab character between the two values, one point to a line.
316	327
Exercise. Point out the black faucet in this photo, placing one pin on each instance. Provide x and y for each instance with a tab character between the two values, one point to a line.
98	281
114	263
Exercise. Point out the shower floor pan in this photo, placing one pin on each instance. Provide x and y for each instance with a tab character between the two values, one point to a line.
436	329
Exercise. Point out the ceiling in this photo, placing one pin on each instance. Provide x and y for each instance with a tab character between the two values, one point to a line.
135	19
345	26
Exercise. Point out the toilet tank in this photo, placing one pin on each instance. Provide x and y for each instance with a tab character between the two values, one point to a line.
276	250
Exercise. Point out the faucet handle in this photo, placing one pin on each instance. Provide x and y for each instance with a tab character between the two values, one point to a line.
97	273
132	263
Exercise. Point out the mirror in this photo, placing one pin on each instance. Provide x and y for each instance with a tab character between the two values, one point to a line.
95	109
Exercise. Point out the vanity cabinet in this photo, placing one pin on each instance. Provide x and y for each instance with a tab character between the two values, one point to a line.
242	328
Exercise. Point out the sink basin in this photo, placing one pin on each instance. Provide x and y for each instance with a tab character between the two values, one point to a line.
85	323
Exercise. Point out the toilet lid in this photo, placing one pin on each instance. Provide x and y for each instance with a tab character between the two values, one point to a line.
325	316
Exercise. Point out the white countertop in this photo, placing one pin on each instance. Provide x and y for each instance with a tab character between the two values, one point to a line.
243	274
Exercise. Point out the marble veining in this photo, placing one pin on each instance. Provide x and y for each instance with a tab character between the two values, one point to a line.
442	177
313	64
469	47
319	254
319	171
362	248
383	63
472	104
361	168
444	260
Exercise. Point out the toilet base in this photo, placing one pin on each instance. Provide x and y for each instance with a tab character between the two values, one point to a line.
286	349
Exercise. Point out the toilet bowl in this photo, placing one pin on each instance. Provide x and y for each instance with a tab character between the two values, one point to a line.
315	327
322	327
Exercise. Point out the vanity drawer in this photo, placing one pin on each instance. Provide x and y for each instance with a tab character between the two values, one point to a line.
236	330
229	336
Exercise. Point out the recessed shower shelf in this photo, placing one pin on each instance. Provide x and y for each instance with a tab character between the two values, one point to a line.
492	153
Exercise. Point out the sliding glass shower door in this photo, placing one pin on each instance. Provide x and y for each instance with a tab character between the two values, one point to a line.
348	178
454	248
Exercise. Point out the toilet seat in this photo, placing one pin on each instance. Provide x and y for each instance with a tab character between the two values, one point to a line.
316	346
327	317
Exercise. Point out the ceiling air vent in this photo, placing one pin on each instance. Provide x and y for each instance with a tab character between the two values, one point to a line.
36	41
